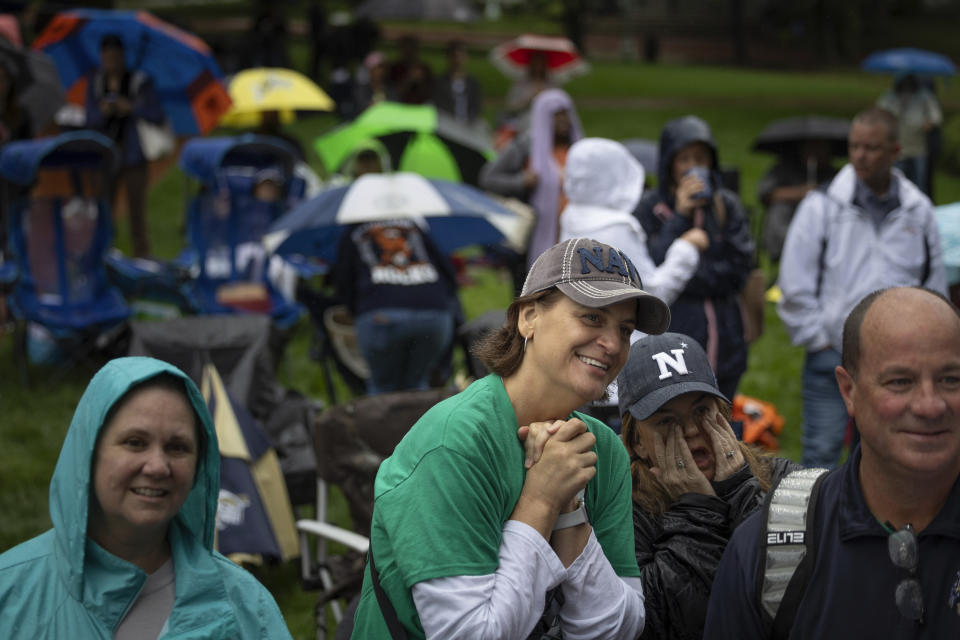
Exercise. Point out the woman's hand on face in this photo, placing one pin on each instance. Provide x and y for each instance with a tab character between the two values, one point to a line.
724	443
675	467
534	436
689	186
567	463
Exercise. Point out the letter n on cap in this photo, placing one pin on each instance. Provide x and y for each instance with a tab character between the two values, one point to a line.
594	257
677	363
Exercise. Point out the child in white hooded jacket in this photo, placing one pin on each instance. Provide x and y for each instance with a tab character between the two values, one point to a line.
603	183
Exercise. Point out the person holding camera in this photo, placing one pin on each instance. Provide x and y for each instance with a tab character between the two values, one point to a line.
690	195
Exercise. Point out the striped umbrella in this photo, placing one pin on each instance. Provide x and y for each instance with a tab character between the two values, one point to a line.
457	215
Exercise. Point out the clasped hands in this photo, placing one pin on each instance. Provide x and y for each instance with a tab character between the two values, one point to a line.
560	460
672	461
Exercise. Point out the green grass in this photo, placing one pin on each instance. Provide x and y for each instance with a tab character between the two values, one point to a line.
616	100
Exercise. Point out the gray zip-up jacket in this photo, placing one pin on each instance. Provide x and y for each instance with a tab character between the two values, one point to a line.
835	254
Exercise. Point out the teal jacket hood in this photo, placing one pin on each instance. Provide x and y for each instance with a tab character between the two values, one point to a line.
62	584
70	486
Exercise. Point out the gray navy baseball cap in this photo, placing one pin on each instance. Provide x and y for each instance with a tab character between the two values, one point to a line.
595	274
660	368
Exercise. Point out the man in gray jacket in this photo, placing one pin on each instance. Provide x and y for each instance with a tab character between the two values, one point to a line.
870	228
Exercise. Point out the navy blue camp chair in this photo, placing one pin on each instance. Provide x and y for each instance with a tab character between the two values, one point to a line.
226	222
56	195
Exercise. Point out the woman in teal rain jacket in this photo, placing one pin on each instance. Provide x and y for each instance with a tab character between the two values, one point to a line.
133	502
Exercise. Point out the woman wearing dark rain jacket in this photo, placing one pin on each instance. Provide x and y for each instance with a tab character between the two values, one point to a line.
689	194
133	502
693	481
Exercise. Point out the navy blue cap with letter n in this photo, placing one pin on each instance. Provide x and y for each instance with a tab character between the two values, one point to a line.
660	368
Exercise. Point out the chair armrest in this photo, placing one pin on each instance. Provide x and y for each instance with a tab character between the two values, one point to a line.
337	534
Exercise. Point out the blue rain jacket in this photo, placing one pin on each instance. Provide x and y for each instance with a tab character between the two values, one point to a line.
61	584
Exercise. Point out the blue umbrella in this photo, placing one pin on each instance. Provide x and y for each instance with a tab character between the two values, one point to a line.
903	61
186	77
457	215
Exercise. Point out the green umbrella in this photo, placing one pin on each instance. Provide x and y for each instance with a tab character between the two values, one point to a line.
417	138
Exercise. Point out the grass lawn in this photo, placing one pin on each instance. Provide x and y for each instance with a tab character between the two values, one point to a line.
616	100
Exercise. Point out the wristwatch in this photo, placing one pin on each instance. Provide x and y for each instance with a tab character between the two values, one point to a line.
573	518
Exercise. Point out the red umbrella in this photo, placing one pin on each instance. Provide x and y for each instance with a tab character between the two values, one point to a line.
563	59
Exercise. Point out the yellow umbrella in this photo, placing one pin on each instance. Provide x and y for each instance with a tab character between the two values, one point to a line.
286	91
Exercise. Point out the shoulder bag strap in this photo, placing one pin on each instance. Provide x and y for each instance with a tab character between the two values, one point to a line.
397	631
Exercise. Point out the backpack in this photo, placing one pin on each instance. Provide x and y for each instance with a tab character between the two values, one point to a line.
789	547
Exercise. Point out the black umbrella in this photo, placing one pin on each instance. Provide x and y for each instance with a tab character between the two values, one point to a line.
36	81
782	137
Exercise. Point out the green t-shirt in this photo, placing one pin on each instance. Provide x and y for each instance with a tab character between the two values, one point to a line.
442	498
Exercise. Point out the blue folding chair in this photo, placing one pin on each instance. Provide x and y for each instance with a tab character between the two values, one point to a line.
226	222
56	196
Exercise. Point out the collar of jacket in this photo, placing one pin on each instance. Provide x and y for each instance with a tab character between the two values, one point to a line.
201	605
843	187
856	519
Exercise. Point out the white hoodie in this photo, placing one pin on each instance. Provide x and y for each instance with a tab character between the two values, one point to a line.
603	183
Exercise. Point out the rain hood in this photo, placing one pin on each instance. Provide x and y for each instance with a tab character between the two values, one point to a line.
61	584
602	173
677	134
70	486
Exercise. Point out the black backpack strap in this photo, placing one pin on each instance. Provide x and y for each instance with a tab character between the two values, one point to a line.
793	596
397	631
926	261
822	259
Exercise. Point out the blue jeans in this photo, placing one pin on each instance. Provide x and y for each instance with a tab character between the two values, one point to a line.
402	346
824	413
915	169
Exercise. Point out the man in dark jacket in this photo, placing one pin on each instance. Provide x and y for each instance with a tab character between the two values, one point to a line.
689	195
885	555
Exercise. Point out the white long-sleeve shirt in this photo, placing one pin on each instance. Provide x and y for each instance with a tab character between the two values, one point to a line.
598	604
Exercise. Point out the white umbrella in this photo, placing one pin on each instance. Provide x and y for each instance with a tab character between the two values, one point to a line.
456	215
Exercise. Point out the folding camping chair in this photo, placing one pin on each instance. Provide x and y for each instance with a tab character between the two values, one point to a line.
244	350
57	193
350	442
334	341
226	222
